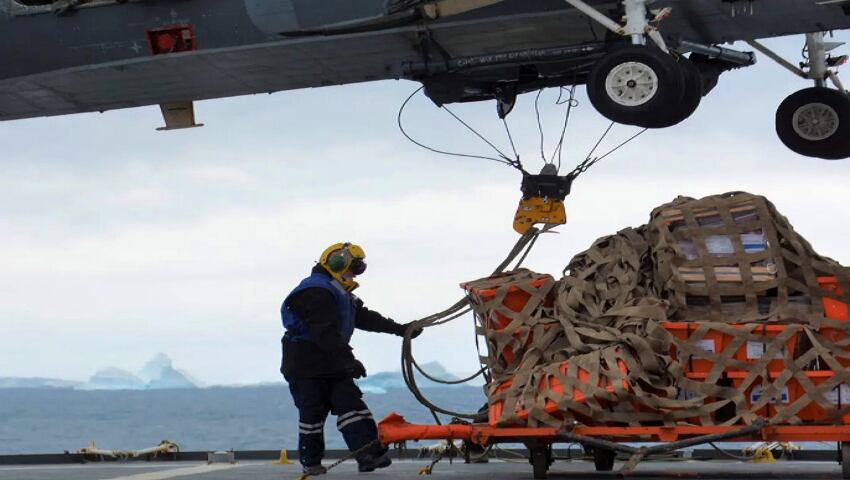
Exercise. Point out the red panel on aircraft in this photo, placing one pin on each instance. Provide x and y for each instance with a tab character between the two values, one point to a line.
173	39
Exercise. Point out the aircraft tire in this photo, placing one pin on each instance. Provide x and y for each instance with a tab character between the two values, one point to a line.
710	70
815	122
636	84
691	99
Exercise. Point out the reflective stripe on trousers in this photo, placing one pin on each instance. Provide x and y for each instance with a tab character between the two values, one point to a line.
354	416
311	428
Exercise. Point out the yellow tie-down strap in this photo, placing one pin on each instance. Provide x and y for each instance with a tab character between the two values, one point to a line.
536	210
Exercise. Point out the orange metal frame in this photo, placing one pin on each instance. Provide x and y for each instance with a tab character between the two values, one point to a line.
395	429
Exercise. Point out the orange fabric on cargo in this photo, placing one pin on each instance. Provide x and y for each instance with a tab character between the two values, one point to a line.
833	308
552	384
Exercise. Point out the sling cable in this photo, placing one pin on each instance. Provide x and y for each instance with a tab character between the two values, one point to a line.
542	202
543	194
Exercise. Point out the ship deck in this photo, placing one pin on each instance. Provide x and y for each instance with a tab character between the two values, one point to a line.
494	470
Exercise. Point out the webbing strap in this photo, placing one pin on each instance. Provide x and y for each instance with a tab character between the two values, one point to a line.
593	348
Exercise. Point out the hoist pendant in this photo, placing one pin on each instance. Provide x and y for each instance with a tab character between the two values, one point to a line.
537	210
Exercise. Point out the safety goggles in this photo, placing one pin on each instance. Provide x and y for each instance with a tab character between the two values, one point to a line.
358	266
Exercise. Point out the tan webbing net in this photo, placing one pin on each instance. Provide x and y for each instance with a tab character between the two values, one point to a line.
712	314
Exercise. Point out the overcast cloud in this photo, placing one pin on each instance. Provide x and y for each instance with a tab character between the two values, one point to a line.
119	242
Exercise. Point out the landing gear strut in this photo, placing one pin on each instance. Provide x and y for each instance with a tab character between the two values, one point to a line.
642	84
815	122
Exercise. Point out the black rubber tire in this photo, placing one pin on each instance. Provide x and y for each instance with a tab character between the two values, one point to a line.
666	98
691	98
540	460
845	460
710	70
603	459
834	147
839	153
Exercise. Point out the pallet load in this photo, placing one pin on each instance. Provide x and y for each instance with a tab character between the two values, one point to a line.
715	313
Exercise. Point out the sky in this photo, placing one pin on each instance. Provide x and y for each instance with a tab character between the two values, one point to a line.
118	242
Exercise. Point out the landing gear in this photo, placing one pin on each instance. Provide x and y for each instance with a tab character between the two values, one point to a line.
634	84
845	460
815	122
694	89
643	86
691	98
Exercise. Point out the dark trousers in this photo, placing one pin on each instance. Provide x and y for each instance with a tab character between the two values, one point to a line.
315	397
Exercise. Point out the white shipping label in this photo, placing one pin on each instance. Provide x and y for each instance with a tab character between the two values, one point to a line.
784	396
756	350
707	345
839	395
719	245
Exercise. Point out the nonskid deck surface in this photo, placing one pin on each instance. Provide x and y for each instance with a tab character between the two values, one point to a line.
495	470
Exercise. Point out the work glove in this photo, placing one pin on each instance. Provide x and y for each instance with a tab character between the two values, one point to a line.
416	332
355	369
401	329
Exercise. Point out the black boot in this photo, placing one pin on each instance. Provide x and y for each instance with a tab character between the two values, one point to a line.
314	470
374	461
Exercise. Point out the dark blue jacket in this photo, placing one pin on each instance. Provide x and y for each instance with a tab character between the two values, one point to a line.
344	301
317	340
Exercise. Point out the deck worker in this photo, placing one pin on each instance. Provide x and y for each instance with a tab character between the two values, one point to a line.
320	316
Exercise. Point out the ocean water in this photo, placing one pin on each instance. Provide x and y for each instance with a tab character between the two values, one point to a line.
251	418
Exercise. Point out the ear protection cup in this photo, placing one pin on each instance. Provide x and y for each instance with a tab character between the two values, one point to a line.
337	262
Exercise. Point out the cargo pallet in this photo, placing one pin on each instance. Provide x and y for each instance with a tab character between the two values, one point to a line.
606	441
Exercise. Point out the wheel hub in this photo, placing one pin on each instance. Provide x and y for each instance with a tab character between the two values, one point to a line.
815	122
631	84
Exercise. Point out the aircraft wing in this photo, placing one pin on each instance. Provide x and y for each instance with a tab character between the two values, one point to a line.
190	76
285	64
313	61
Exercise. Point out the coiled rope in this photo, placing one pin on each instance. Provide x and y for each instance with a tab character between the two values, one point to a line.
408	363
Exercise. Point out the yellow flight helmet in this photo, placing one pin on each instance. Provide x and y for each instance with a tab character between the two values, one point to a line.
344	261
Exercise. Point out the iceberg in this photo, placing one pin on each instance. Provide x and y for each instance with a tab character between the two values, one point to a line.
382	382
153	369
159	373
113	379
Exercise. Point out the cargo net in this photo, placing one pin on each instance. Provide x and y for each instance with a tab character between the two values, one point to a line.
715	313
